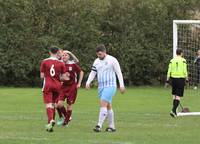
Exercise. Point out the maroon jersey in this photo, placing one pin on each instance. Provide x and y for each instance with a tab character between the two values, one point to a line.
52	69
73	69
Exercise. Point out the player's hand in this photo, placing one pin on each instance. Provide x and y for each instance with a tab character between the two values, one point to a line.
87	86
122	90
65	76
187	83
166	83
68	76
78	86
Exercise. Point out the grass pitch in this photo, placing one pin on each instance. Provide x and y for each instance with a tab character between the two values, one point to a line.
142	117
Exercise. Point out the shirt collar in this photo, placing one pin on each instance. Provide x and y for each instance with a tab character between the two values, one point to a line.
53	58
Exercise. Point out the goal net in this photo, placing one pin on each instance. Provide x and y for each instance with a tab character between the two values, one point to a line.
186	35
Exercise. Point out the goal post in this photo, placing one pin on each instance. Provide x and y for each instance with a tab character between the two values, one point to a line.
186	35
175	31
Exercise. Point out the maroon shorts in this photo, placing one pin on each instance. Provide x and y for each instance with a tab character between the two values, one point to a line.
50	96
69	93
51	91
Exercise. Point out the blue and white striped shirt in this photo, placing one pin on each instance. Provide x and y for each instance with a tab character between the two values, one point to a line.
106	71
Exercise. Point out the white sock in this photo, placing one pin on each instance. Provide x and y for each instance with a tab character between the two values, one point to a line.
102	115
111	119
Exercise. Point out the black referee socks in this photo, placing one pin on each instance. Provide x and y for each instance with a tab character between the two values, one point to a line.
175	105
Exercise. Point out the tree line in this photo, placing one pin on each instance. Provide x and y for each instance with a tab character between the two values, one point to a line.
137	32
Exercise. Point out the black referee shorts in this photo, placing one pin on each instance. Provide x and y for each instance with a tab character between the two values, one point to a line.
178	86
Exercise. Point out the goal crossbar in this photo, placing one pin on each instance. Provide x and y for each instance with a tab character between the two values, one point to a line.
175	31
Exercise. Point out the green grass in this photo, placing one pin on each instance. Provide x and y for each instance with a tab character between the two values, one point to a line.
142	117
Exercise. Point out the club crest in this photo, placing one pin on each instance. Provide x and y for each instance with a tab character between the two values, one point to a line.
70	68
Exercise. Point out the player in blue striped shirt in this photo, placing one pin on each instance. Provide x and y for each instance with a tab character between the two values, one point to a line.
106	67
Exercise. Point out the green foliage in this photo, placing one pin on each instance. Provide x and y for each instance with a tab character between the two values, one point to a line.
138	33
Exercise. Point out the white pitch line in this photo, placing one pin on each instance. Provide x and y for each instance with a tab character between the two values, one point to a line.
188	114
97	142
20	117
21	111
22	138
78	112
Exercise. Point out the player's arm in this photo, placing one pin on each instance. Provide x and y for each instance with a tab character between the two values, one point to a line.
76	60
169	72
65	76
91	76
119	75
77	70
90	79
42	75
42	68
81	74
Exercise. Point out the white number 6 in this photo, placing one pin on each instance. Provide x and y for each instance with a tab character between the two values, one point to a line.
52	71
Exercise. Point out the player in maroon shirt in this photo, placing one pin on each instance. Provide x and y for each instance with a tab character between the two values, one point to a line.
52	71
69	87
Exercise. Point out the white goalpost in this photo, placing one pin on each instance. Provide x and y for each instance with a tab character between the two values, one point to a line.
175	30
186	35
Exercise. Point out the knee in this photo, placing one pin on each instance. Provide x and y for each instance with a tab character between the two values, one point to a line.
177	98
50	105
60	104
104	103
69	107
56	105
109	107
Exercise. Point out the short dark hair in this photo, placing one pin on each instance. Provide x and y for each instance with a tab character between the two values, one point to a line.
101	48
179	51
54	49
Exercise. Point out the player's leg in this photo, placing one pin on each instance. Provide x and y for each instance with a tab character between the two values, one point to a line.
60	119
50	114
48	100
55	101
68	114
102	115
176	102
58	111
174	87
71	98
111	128
111	121
63	112
105	95
61	107
50	111
178	92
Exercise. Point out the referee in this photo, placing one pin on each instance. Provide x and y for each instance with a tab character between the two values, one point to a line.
177	71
